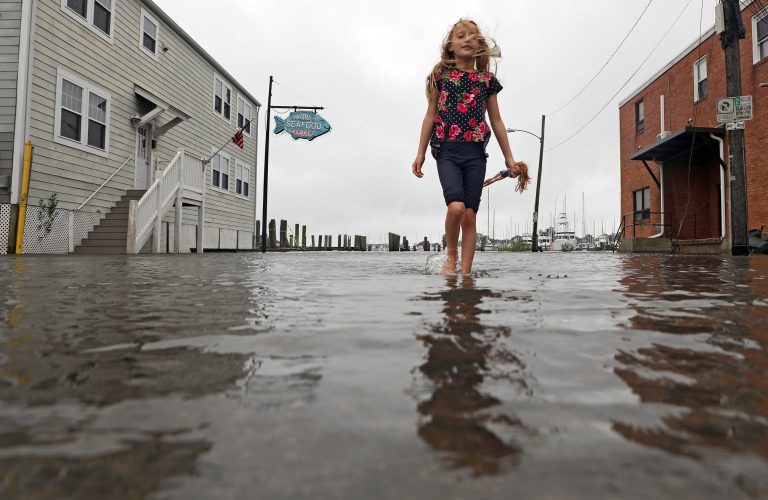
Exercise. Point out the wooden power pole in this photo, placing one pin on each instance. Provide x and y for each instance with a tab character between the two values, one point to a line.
734	31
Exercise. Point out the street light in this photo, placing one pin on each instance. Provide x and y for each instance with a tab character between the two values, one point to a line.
535	235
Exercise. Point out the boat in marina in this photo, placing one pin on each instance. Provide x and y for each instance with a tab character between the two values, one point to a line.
565	239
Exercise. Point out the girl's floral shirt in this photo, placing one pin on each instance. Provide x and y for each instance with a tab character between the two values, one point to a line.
461	106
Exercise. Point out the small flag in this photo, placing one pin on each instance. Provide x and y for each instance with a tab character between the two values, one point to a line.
239	139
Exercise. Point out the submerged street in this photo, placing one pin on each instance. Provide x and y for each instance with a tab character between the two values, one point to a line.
350	376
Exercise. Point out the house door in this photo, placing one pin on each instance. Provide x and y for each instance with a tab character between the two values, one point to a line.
142	159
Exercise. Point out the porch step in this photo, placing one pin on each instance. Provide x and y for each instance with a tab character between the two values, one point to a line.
110	235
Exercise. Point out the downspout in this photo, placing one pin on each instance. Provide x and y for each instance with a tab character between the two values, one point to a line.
662	134
22	97
722	184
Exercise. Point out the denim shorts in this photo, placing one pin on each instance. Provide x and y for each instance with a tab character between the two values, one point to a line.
461	167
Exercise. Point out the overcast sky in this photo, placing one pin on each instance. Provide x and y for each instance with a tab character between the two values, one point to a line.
366	62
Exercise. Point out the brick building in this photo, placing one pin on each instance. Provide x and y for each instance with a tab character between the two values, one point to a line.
673	182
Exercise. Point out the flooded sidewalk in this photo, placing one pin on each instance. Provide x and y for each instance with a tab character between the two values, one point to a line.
359	376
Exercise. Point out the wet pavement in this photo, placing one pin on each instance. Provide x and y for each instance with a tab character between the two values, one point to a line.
358	376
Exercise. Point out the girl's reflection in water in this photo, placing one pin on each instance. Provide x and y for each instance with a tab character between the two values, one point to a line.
460	417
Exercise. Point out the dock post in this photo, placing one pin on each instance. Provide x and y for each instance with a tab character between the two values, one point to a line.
296	236
313	241
304	236
272	235
283	233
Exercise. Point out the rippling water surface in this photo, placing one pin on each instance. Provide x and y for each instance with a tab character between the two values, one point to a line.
360	376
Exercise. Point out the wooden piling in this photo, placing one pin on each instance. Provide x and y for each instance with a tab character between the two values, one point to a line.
283	233
304	236
272	235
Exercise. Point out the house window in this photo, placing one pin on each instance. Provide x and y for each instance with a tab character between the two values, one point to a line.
220	172
639	116
244	115
700	79
150	34
97	15
222	98
760	36
243	180
642	202
82	114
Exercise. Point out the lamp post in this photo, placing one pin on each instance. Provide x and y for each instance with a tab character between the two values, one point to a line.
535	234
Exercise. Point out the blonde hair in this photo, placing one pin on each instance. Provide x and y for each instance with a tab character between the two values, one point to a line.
488	50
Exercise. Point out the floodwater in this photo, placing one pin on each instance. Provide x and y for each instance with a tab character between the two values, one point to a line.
360	376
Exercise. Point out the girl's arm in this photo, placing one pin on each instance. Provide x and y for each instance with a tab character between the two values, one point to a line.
426	132
500	131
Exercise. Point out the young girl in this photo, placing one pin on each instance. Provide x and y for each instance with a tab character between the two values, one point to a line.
460	89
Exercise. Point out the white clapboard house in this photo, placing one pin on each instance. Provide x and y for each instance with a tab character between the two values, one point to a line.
122	108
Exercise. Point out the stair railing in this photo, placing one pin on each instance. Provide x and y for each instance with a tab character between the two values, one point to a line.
185	173
105	182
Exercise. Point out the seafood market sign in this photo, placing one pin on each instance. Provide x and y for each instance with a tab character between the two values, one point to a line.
302	125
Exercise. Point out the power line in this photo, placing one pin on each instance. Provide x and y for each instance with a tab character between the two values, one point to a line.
606	63
625	83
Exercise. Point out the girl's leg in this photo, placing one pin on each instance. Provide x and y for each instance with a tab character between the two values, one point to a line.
453	220
468	240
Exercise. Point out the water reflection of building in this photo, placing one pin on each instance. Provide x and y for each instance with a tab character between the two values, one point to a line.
460	417
712	372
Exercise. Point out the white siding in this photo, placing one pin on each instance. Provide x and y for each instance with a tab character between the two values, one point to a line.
10	28
181	76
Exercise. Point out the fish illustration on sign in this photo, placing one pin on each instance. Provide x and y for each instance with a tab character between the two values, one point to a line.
302	125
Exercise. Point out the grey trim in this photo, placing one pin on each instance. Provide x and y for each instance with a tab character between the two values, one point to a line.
704	37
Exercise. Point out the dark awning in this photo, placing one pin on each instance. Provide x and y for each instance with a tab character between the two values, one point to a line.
679	143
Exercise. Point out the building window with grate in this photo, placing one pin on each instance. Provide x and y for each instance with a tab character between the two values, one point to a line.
642	203
243	180
220	172
244	115
639	116
96	15
149	37
760	36
700	79
222	98
82	114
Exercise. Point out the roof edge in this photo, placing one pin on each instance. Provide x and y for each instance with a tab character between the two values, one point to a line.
187	38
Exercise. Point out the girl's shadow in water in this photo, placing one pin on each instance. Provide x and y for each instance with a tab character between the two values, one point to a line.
460	418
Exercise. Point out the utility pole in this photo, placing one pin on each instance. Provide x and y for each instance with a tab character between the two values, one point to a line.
535	234
734	31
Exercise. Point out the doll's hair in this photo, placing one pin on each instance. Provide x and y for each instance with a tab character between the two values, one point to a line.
523	179
487	50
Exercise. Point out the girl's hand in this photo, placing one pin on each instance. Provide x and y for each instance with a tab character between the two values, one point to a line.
416	167
514	167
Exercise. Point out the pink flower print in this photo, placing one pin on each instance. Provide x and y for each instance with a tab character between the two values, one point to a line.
440	132
472	122
468	135
485	76
454	132
462	107
477	137
482	128
455	76
438	119
474	76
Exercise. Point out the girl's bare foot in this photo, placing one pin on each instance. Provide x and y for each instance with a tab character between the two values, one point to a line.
449	269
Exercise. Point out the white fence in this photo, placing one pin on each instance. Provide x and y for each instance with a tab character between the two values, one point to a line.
5	227
58	233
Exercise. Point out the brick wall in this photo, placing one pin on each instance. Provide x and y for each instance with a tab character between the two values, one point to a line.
677	85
